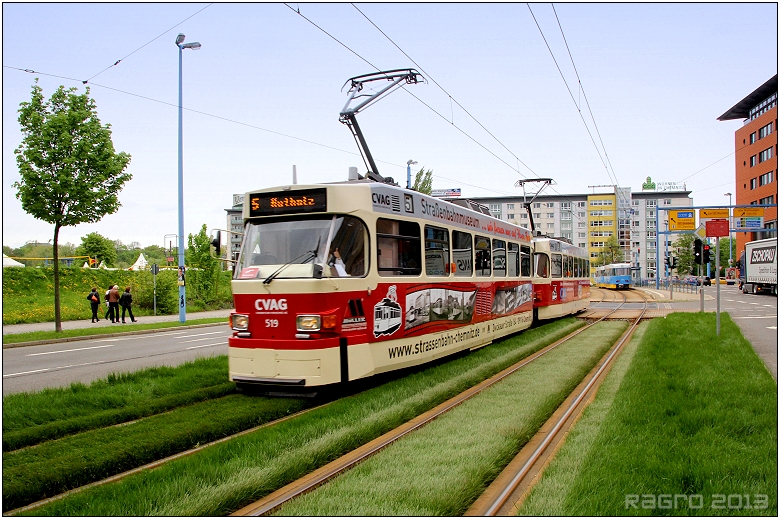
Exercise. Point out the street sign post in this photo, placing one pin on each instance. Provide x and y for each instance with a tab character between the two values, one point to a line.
717	228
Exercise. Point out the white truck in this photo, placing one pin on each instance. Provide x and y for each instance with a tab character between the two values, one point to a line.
758	267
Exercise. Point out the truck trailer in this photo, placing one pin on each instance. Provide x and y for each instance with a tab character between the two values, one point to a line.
758	267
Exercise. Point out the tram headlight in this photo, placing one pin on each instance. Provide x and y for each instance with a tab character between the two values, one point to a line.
239	322
308	323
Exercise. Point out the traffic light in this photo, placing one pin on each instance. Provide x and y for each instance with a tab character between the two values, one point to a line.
697	245
674	262
217	242
705	255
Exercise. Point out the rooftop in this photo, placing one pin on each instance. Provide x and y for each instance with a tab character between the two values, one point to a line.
741	110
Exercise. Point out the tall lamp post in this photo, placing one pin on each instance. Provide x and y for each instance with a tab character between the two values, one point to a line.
182	289
731	259
409	173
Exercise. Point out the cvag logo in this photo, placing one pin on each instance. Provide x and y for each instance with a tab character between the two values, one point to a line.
266	305
380	199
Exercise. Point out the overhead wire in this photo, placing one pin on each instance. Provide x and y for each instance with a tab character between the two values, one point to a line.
144	45
579	110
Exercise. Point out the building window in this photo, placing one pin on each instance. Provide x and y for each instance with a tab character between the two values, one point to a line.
537	215
765	179
651	235
667	201
752	183
510	216
765	155
650	203
753	160
752	137
763	132
551	226
565	206
766	105
550	204
537	205
767	200
580	204
523	216
510	206
550	215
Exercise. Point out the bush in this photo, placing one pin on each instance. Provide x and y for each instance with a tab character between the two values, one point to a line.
28	293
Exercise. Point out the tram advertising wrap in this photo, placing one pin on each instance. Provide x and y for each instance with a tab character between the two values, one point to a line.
361	278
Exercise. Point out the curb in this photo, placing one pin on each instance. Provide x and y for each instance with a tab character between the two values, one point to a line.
103	335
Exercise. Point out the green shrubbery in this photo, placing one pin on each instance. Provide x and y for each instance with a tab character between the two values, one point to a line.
28	293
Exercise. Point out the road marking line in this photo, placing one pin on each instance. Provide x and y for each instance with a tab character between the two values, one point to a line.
196	340
205	346
67	351
200	334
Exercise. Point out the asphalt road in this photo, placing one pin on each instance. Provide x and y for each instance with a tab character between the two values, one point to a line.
32	368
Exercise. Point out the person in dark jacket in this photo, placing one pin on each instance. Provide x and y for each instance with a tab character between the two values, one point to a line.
94	301
127	304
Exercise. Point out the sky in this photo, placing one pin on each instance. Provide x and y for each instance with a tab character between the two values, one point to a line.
633	91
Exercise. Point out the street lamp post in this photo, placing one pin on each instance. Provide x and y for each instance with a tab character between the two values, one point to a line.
409	173
182	289
731	259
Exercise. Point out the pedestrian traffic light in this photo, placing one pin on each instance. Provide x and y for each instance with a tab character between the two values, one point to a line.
705	255
217	241
697	251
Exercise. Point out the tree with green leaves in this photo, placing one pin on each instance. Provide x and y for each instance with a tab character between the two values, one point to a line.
423	181
610	253
198	255
98	248
70	173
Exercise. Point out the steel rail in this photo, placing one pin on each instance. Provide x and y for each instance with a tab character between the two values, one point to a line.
498	503
278	498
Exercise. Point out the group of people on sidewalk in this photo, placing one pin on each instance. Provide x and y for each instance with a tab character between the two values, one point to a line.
113	301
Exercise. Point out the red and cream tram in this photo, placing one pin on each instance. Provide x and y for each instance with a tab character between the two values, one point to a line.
561	278
336	282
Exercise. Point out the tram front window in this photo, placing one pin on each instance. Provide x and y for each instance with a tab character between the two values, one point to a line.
336	244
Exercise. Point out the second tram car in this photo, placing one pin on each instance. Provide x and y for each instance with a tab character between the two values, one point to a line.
561	278
337	282
614	275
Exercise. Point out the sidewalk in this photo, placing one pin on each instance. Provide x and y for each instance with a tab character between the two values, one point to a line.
662	295
83	323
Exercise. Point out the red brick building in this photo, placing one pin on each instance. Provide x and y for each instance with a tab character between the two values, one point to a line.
756	156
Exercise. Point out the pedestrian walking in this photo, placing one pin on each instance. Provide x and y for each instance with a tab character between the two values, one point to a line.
113	304
127	304
94	301
108	307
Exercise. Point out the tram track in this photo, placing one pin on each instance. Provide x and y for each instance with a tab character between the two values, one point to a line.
507	492
279	498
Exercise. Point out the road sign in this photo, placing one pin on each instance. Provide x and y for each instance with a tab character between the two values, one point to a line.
701	231
681	220
740	212
717	228
713	213
155	269
749	222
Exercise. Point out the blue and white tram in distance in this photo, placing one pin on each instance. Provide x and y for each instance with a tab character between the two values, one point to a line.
614	275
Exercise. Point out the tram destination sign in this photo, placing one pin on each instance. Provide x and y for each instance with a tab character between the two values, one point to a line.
288	202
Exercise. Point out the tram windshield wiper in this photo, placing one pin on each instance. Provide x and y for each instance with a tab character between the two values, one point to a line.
309	255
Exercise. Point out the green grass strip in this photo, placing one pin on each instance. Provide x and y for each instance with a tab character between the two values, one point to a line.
51	468
693	431
29	418
442	468
225	477
15	338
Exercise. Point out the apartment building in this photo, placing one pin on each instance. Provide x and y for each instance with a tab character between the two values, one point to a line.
589	220
755	145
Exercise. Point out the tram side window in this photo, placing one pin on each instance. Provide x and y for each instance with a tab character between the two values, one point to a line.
542	265
557	265
569	267
437	251
525	261
499	258
513	259
577	267
482	255
398	248
461	253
